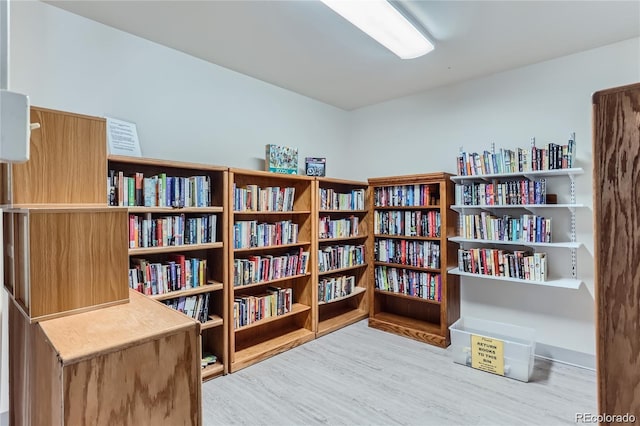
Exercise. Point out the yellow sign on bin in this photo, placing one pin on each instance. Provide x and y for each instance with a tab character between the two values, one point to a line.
487	354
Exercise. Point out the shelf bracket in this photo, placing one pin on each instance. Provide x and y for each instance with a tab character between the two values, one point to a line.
572	200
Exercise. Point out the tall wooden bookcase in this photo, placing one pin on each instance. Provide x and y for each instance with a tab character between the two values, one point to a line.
411	293
616	203
342	271
208	200
259	231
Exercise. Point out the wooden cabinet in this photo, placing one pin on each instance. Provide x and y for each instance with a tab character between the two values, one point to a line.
177	241
130	364
342	271
270	239
61	260
68	162
411	292
616	172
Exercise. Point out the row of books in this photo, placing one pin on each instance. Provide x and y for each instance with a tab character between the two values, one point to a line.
407	223
552	157
256	269
270	199
176	273
332	200
250	233
343	256
423	254
424	285
338	228
332	288
196	307
406	195
158	191
174	230
520	264
528	228
250	309
517	192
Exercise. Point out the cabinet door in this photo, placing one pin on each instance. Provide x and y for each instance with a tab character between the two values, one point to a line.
616	151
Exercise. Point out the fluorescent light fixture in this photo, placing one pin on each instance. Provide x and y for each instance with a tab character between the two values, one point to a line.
385	24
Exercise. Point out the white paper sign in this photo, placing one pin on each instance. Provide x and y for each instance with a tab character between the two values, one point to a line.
122	137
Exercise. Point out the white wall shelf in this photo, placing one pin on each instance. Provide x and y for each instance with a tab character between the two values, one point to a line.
530	207
567	244
529	175
569	283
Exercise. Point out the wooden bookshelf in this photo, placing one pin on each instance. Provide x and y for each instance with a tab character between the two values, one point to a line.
417	312
140	357
272	334
341	202
205	205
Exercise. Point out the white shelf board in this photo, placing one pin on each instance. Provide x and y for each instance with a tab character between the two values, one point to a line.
570	283
532	174
568	245
459	207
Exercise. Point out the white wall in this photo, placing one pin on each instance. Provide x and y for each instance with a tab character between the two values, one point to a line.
423	132
187	109
184	108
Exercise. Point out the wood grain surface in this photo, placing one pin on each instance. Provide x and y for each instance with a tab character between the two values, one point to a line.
616	150
68	161
76	259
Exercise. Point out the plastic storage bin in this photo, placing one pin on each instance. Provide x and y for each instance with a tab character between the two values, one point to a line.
518	345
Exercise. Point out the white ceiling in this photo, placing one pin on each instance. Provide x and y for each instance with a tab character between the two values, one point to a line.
305	47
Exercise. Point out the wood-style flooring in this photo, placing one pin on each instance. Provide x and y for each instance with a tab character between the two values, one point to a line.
363	376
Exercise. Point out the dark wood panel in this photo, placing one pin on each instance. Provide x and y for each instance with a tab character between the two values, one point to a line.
616	149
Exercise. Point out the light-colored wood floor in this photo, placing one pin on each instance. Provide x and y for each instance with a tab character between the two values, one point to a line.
362	376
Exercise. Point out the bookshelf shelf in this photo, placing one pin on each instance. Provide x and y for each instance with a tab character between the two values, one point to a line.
341	314
211	371
410	267
356	291
259	340
328	211
202	191
269	213
173	249
560	282
269	282
403	237
175	210
340	270
513	220
273	345
341	203
409	327
296	309
213	321
188	291
406	296
341	239
269	248
423	207
391	310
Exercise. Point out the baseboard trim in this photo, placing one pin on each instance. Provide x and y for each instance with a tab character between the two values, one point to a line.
565	356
